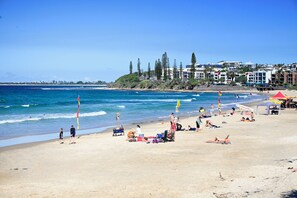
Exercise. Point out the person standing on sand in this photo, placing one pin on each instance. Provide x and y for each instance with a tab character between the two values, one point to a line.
198	123
172	117
72	135
211	109
61	136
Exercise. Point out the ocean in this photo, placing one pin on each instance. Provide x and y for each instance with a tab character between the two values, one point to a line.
36	113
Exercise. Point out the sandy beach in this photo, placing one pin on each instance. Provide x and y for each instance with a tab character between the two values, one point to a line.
259	162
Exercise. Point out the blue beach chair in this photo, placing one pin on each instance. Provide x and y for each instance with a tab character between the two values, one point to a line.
118	131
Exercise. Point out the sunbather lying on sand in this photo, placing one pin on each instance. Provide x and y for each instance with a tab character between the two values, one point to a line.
210	124
216	140
191	128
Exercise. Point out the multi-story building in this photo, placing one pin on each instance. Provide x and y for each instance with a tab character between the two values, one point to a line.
249	77
265	76
282	77
230	65
262	77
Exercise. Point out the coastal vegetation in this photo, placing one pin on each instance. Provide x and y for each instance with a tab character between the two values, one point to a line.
196	76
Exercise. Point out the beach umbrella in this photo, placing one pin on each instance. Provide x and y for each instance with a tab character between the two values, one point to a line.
279	96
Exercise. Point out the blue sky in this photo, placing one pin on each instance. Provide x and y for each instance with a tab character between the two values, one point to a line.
46	40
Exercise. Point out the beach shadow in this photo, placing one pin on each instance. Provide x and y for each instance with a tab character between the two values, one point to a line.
290	194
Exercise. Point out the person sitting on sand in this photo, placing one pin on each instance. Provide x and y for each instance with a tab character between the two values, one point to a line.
252	117
242	119
233	111
249	120
210	124
137	131
179	127
130	135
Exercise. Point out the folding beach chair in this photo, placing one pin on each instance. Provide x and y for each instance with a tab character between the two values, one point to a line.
118	131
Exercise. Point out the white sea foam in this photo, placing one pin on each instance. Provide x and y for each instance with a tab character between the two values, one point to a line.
92	114
53	116
162	117
26	105
73	115
121	106
243	96
187	100
148	100
18	120
196	95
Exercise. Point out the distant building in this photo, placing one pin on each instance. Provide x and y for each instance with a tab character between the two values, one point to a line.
284	78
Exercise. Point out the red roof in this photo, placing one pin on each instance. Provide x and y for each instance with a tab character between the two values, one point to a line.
279	95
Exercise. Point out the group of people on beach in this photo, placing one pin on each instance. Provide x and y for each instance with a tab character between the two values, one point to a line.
247	119
72	135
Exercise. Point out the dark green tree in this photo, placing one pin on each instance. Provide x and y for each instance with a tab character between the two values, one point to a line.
181	70
193	69
231	75
175	72
131	67
164	66
149	70
241	79
168	70
158	69
138	68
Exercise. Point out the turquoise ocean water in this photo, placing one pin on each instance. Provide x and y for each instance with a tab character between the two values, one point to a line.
35	113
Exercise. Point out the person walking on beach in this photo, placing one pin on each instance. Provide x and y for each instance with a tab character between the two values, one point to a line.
72	135
61	136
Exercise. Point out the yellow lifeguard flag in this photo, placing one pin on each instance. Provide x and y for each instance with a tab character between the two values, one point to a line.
177	105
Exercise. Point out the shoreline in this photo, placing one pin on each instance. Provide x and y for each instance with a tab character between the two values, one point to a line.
258	163
41	138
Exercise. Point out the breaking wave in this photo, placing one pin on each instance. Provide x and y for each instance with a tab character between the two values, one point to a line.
52	116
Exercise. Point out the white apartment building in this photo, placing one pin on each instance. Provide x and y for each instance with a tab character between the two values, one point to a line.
258	77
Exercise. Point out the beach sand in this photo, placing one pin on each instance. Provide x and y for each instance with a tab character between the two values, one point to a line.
99	165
